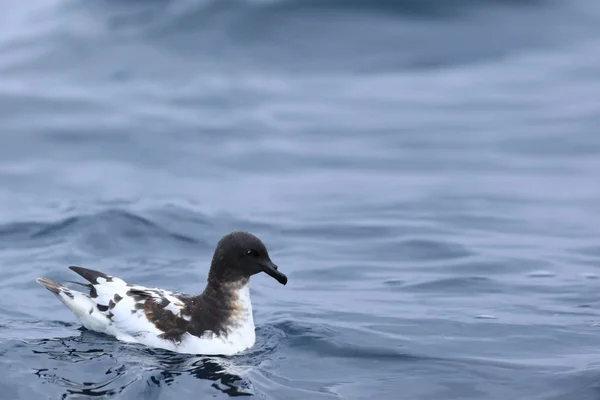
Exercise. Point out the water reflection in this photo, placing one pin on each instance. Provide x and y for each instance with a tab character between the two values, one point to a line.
216	370
112	367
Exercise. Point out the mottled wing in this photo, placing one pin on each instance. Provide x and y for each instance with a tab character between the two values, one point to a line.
169	311
137	310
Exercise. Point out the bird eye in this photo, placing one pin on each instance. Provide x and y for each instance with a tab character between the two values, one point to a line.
251	252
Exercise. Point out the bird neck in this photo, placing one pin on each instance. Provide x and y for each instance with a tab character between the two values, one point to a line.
231	294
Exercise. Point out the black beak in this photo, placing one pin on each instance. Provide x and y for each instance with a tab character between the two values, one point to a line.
271	269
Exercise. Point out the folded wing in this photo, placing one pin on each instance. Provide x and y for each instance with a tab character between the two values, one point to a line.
133	310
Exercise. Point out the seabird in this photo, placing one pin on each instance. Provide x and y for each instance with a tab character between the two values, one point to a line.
218	321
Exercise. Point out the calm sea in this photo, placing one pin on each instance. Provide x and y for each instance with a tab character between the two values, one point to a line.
426	172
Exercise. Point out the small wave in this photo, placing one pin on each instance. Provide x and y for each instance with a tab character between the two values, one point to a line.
400	7
111	225
167	17
468	285
298	34
433	250
422	8
341	343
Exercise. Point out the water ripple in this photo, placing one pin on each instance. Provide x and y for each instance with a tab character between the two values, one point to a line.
116	225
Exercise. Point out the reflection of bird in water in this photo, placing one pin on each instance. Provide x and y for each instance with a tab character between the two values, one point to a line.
225	375
158	368
217	322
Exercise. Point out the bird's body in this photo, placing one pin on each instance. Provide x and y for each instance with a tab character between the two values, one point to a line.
218	321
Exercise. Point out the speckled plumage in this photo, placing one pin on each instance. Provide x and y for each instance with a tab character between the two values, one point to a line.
218	321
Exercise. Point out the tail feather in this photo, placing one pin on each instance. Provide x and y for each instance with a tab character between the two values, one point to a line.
52	286
79	303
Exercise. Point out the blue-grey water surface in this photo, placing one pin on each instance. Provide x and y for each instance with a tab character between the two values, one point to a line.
426	173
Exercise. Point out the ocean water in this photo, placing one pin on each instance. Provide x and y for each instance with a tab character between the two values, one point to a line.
425	172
